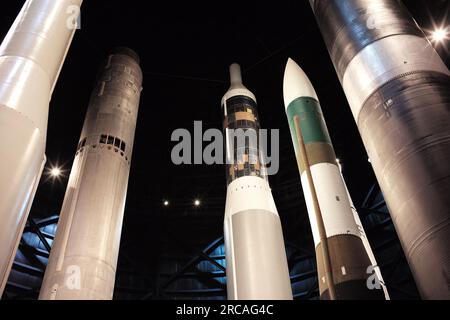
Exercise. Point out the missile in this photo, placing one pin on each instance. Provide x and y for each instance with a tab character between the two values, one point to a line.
398	89
31	57
257	266
340	248
83	259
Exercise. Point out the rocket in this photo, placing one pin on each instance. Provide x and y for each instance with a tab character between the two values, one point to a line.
338	238
83	259
31	58
257	266
398	89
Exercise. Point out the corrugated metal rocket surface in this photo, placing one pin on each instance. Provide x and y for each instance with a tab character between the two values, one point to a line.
399	91
83	258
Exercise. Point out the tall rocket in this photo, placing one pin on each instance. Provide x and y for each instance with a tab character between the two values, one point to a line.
83	259
399	91
257	266
341	246
31	58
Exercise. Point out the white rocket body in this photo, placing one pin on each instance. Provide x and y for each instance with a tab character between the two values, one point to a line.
257	266
31	57
350	254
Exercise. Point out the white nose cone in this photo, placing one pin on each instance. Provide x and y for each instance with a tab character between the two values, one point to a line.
296	84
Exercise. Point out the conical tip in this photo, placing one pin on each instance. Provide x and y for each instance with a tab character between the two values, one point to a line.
296	84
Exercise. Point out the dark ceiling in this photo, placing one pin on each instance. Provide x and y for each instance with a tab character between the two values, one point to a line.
186	48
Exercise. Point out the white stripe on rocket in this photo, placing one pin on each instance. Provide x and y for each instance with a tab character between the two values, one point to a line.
249	193
334	203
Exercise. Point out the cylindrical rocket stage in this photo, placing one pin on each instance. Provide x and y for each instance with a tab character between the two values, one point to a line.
257	266
83	259
31	57
347	255
399	92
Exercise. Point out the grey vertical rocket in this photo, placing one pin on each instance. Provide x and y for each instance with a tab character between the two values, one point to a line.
257	266
31	57
83	260
399	91
347	255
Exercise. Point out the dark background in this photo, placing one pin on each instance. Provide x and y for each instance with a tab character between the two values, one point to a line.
185	49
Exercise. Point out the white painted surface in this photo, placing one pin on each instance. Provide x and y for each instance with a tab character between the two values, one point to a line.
31	57
249	193
256	256
296	84
333	200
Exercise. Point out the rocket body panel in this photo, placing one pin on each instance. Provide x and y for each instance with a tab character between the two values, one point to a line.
238	92
366	244
349	260
350	26
249	193
31	57
413	171
257	266
83	260
398	89
255	234
334	204
27	155
88	236
379	63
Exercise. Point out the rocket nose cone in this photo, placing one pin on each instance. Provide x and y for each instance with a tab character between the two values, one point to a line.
296	84
127	52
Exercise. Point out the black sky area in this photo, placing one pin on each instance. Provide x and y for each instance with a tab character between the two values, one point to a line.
186	49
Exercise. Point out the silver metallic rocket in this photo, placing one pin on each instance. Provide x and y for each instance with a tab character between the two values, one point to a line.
399	91
31	58
344	238
257	266
83	258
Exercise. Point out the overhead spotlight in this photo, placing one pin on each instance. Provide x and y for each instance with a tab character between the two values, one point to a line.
197	203
440	35
166	203
55	172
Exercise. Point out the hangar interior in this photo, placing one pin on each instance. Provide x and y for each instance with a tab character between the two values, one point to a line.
172	245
